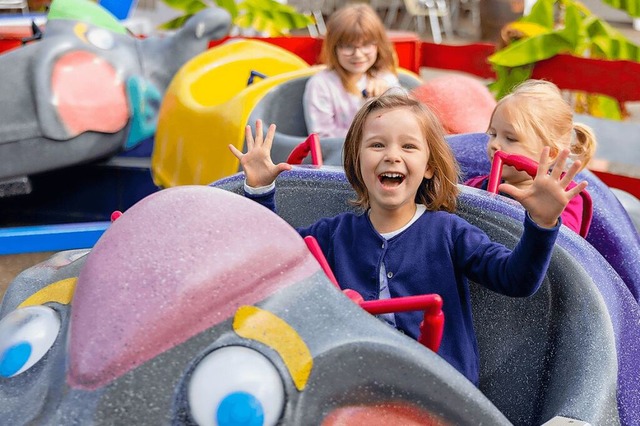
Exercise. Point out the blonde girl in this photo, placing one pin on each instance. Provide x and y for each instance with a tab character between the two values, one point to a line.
361	63
407	240
532	117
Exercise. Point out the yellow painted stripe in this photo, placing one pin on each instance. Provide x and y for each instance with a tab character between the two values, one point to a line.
60	291
263	326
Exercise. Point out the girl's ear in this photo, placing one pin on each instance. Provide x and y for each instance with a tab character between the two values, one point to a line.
428	174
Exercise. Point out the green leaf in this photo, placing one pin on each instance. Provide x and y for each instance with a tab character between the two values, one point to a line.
632	7
573	30
187	6
230	6
530	50
508	78
616	49
604	107
174	24
542	13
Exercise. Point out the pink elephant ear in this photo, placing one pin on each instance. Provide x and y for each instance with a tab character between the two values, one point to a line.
89	94
463	104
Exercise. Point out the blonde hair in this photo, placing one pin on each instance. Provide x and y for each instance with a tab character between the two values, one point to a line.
438	193
357	23
537	109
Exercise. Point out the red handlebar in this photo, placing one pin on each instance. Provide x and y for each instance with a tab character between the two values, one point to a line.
501	158
316	251
525	164
432	326
310	145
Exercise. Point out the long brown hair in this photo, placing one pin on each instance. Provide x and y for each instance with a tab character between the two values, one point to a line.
438	193
357	23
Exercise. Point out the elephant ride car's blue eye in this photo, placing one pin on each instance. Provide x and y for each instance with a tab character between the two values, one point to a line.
240	408
236	386
26	335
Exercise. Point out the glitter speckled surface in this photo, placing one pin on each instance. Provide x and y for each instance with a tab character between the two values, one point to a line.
206	274
358	361
574	342
571	349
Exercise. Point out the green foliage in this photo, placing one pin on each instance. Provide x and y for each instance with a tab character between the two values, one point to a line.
264	16
561	26
632	7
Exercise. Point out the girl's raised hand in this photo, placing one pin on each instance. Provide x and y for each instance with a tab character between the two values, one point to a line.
258	167
376	87
547	197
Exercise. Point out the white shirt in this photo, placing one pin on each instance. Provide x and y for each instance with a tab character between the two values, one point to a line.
328	108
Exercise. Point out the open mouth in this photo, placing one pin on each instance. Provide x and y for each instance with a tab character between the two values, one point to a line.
391	179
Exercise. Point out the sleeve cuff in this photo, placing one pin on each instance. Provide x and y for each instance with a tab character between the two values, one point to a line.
528	220
260	190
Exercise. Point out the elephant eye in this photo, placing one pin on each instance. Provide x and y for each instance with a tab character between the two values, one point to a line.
236	385
100	38
26	335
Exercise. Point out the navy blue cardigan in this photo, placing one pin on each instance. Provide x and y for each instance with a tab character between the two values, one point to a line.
436	254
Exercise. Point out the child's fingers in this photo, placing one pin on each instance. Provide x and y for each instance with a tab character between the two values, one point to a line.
577	189
258	138
282	167
543	164
234	151
510	190
248	134
561	161
271	132
571	173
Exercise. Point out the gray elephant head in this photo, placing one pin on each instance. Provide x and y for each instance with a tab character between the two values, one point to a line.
89	88
178	317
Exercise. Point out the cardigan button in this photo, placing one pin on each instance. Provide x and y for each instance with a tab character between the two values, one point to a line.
389	274
382	245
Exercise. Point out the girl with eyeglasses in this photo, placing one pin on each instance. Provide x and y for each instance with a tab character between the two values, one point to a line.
361	63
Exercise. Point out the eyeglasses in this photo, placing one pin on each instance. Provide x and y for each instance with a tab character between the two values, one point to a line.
349	49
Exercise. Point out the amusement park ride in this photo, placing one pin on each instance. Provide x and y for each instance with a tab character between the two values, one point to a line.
197	306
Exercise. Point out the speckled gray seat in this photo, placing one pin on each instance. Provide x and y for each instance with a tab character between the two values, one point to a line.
551	354
282	105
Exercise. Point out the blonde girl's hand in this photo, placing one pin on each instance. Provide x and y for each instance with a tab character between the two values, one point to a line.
376	87
547	197
258	167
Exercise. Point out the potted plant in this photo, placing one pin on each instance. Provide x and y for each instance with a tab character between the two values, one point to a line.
560	26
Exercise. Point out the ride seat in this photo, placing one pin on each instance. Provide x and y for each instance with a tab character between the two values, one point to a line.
530	348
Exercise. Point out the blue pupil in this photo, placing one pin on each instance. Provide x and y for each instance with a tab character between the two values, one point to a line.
240	409
12	360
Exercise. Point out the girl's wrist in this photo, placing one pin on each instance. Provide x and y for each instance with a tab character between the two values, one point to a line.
544	223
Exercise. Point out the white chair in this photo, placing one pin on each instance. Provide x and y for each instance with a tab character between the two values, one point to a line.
459	8
15	4
435	10
314	8
389	8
